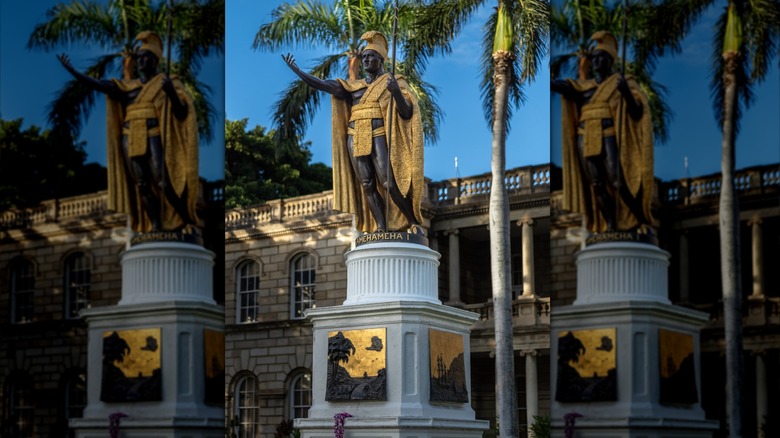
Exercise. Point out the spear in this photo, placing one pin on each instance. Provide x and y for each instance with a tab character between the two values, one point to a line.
163	175
390	177
620	112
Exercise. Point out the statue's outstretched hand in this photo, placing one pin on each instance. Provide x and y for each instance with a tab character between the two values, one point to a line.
65	61
288	58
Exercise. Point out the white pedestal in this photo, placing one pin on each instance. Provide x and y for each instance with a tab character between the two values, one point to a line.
389	271
182	315
623	286
385	272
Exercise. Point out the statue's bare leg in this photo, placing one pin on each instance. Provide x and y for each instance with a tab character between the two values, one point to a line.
141	175
364	169
385	173
596	173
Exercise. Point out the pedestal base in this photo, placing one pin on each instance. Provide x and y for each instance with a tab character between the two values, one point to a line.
644	372
407	410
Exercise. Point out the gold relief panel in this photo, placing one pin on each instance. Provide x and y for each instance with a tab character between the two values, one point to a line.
356	365
586	368
448	367
131	365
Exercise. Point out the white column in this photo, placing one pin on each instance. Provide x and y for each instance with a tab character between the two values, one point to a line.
528	256
454	268
683	263
531	385
757	250
761	393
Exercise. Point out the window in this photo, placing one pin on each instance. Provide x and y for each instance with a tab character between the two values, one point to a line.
245	409
300	396
302	284
22	291
248	291
19	408
75	395
77	284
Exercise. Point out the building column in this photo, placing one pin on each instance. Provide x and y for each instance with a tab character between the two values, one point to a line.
454	268
528	256
758	259
685	295
531	386
761	393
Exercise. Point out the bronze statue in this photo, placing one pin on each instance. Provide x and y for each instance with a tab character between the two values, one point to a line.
154	180
361	114
607	179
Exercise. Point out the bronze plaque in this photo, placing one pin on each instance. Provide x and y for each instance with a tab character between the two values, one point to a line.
356	365
214	355
131	365
586	365
677	368
448	367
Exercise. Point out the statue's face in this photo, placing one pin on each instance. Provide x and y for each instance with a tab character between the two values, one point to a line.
147	61
372	61
602	62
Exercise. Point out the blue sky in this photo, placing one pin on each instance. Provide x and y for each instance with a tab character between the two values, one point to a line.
29	80
255	79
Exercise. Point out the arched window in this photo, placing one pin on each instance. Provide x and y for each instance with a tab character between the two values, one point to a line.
302	284
19	412
300	396
22	291
245	407
248	291
77	284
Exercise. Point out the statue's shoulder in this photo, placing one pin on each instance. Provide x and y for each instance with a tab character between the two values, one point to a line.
126	85
352	85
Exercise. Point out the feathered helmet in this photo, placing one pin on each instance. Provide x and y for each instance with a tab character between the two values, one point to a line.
376	42
605	41
151	42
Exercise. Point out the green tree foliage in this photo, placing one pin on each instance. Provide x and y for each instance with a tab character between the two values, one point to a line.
255	173
33	167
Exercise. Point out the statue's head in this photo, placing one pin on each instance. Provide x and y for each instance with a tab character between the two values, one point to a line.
604	54
375	51
150	52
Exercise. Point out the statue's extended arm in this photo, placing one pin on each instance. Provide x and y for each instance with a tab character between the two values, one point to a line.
403	107
105	87
178	107
328	86
633	107
563	87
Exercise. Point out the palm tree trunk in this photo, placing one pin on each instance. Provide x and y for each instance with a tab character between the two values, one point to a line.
500	249
729	253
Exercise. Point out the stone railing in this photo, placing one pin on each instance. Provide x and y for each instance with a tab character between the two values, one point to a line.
526	311
530	179
55	210
280	210
756	312
753	180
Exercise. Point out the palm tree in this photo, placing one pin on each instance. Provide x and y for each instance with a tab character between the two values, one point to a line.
198	32
514	44
338	27
653	29
339	350
745	41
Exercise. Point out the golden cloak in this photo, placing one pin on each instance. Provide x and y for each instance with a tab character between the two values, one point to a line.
180	154
635	149
406	155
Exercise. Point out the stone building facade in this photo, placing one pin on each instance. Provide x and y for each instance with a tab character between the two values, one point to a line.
288	255
56	259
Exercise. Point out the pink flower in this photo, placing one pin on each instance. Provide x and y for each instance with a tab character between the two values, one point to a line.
338	427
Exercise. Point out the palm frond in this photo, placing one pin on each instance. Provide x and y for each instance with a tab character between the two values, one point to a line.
300	24
77	21
425	93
